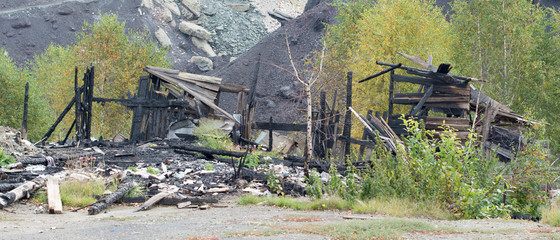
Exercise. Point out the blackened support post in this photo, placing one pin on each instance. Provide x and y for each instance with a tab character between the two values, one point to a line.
347	118
25	106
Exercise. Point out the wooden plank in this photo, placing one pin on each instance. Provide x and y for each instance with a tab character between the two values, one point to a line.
210	93
151	69
233	88
200	78
210	86
155	199
364	143
203	99
53	195
415	80
453	89
281	126
415	100
423	100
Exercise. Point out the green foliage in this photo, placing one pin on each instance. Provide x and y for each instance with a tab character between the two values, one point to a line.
208	167
134	169
274	182
252	161
13	80
210	135
513	45
6	159
314	187
118	57
376	30
446	171
151	170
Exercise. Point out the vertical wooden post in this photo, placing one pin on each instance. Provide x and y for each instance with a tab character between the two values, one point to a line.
25	105
270	136
391	88
91	77
77	107
365	135
347	118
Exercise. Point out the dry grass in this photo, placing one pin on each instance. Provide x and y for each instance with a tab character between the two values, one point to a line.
391	206
551	213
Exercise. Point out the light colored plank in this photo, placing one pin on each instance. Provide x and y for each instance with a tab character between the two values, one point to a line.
53	195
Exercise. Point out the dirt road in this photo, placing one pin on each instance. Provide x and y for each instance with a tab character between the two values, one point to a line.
237	222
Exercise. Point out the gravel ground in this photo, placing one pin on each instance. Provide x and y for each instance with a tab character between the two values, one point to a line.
232	222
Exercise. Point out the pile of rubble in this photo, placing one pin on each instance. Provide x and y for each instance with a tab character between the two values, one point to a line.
176	172
13	145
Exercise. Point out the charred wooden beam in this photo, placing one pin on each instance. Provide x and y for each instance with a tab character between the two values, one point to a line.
23	191
281	126
25	106
381	73
104	203
58	120
423	100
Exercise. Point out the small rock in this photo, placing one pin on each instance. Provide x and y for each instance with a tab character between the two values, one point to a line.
65	10
204	46
240	7
270	104
286	92
241	183
39	210
194	30
21	23
193	6
325	177
55	26
203	63
10	34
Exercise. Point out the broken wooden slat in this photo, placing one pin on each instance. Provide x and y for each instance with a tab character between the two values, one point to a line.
104	203
423	100
155	199
203	99
201	78
53	195
281	126
22	191
227	87
163	70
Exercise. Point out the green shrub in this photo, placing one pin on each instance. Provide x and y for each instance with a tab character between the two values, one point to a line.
5	159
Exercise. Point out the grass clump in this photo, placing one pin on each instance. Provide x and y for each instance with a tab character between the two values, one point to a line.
551	213
390	206
77	193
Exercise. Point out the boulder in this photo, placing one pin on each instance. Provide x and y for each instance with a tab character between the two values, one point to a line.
65	10
21	23
171	5
163	39
192	29
204	46
166	15
187	14
193	6
148	4
203	63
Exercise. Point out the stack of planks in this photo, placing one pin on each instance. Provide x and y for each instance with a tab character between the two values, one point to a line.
191	87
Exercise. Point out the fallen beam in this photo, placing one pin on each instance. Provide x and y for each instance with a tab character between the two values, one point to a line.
155	199
104	203
23	191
